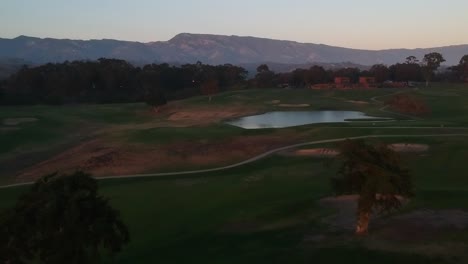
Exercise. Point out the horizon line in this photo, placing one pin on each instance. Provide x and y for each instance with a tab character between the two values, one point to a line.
221	35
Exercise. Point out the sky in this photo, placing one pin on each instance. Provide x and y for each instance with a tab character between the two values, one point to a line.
362	24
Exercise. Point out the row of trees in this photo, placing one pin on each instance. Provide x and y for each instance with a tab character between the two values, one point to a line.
114	81
409	70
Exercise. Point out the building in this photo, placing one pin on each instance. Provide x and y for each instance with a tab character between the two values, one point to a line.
367	82
342	82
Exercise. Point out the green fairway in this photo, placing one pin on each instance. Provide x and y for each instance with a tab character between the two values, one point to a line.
268	211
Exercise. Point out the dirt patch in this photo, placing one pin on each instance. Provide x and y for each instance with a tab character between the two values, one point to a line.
18	121
199	116
273	102
105	159
407	147
317	152
345	216
418	225
330	152
294	105
422	224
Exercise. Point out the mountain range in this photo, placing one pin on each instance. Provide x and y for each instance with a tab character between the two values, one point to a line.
210	49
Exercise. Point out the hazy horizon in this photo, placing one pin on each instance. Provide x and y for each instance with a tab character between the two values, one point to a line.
367	25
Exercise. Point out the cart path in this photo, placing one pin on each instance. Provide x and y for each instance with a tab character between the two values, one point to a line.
253	159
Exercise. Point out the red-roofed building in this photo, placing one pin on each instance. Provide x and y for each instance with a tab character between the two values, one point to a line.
367	82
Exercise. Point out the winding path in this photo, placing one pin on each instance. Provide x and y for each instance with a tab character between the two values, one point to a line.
268	153
256	158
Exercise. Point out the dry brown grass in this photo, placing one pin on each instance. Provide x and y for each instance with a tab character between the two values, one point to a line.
103	158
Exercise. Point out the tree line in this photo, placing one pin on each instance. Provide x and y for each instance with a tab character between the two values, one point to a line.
118	81
410	70
114	81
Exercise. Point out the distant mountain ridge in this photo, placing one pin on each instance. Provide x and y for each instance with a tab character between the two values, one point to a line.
210	49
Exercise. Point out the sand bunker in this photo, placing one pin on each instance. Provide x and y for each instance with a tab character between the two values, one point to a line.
407	147
294	105
17	121
317	152
273	102
330	152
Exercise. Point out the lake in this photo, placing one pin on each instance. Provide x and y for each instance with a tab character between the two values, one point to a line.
282	119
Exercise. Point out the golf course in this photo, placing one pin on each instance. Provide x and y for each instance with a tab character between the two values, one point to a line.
193	188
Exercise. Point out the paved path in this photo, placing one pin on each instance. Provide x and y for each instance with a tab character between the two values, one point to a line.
256	158
268	153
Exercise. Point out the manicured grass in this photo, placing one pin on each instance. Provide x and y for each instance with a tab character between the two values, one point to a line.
264	211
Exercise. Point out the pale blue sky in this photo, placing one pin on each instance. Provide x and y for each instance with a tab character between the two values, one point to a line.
366	24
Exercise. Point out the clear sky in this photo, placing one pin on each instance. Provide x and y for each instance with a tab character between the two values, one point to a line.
366	24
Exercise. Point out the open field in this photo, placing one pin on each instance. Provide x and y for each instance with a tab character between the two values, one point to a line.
268	211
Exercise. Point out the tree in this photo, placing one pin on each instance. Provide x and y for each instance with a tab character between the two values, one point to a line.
316	74
461	70
264	77
411	60
431	62
155	98
61	219
404	72
380	72
375	173
352	73
210	88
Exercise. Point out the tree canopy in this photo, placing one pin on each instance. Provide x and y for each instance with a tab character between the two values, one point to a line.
61	219
431	62
375	173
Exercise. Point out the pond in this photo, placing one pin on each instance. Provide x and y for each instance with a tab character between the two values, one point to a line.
282	119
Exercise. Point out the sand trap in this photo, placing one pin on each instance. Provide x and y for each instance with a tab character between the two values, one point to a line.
294	105
17	121
317	152
330	153
407	147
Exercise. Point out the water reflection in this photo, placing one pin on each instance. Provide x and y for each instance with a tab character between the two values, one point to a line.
282	119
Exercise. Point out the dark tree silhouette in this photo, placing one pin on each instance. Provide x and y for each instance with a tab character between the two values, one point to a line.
380	72
411	60
431	63
61	219
156	99
264	77
209	88
375	173
461	70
